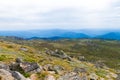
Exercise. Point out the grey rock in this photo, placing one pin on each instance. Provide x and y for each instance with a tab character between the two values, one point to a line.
19	65
28	67
59	53
18	76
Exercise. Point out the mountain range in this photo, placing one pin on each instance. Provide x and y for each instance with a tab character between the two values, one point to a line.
59	34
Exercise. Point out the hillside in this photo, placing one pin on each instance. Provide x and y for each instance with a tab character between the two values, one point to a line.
47	63
111	35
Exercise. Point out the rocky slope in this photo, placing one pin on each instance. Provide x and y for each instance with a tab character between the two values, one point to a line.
18	62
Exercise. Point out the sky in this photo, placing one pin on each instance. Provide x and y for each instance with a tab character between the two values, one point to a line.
59	14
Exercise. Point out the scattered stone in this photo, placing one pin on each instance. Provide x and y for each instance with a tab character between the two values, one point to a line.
80	70
56	68
49	77
100	64
51	72
23	49
81	58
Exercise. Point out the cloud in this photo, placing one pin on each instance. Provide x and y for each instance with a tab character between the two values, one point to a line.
63	14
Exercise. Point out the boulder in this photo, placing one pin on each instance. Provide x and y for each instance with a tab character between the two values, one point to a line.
59	53
5	75
30	67
18	76
19	65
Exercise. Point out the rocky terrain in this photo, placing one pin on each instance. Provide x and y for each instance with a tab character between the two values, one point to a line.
21	62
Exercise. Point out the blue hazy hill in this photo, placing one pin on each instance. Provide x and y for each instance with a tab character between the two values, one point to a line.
44	34
60	34
111	35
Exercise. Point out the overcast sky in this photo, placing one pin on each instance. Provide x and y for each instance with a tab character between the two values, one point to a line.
59	14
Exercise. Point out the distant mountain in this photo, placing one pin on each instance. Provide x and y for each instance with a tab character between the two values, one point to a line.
44	34
55	34
111	35
67	35
74	35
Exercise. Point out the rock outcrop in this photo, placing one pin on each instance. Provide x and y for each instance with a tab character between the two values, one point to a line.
59	53
25	66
